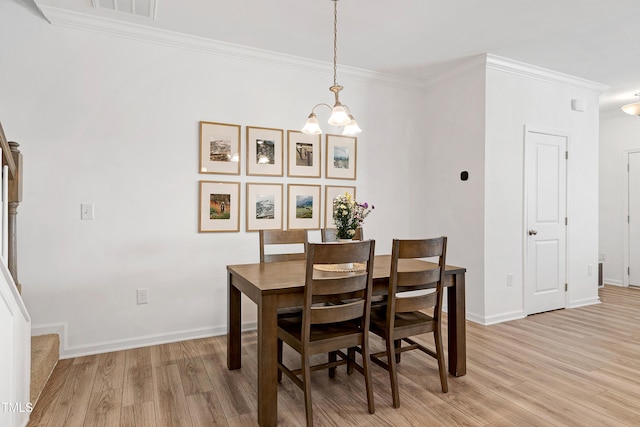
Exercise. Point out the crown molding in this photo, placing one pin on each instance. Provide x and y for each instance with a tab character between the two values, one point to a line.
468	67
146	33
534	72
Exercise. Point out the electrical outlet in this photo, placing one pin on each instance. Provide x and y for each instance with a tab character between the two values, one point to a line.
509	279
142	296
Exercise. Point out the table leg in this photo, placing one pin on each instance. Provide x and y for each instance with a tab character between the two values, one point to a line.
234	319
268	361
456	318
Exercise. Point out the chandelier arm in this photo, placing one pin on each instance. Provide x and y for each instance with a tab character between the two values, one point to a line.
313	110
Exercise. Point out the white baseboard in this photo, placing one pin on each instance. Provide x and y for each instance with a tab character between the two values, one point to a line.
67	351
584	302
612	282
504	317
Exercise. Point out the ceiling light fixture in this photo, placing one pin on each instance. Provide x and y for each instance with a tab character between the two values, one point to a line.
633	109
340	114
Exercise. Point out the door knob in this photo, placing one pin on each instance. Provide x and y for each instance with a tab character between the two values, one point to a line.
533	232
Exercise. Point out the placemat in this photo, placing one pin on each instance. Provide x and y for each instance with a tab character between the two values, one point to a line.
341	268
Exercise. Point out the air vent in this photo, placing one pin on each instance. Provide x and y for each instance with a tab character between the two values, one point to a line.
141	8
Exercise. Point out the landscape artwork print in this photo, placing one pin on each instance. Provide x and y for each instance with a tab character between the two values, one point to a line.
265	152
304	154
220	206
219	150
265	206
340	157
304	206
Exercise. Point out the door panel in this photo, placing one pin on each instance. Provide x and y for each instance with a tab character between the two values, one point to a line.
634	219
545	267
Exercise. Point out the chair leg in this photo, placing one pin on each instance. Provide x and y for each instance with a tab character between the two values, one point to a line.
279	360
397	344
437	337
393	375
333	356
366	367
306	382
351	357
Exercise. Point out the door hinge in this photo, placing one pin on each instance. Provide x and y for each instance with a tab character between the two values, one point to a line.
566	155
566	287
566	221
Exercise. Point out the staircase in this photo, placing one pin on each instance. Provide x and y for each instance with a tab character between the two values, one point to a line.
45	351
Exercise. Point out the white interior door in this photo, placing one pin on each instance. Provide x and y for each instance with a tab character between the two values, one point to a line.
545	234
634	219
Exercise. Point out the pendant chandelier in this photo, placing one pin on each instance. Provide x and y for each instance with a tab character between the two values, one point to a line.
633	109
340	114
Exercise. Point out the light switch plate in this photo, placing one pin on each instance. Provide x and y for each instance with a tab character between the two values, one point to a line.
86	211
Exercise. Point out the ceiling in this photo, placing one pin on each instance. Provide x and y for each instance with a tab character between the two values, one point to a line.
591	39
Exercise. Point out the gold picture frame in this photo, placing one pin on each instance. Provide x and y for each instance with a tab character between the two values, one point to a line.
264	206
265	151
342	157
219	207
304	155
303	206
220	148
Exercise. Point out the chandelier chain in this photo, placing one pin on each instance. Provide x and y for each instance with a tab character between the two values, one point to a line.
335	41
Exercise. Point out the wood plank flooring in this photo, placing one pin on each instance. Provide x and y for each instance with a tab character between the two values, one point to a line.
576	367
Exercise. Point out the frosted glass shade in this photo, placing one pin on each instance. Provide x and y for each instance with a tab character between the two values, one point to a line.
311	126
339	116
351	128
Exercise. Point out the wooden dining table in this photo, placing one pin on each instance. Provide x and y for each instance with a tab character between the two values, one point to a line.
277	285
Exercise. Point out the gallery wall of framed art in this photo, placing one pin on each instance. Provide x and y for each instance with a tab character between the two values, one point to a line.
301	198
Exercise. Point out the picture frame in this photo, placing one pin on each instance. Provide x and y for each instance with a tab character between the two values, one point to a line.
219	207
304	155
303	206
264	206
220	148
265	151
342	157
330	193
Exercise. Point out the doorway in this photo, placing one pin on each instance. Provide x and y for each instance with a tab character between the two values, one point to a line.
632	194
545	220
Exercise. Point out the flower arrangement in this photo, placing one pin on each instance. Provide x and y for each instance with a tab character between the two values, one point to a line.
348	215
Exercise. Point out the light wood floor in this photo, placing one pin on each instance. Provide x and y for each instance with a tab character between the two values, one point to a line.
575	367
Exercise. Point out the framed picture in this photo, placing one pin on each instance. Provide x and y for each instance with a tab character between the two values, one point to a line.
341	157
330	193
219	206
264	151
219	148
304	206
305	154
264	206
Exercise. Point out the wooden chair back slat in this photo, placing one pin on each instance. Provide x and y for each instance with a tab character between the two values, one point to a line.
337	313
415	303
339	285
275	238
417	278
424	248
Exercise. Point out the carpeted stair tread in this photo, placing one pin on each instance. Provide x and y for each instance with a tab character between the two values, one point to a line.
45	352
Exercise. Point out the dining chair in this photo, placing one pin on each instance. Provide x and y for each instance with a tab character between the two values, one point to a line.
330	234
402	317
277	240
330	328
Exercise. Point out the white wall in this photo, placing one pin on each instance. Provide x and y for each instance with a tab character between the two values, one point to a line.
619	132
114	121
519	95
453	142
